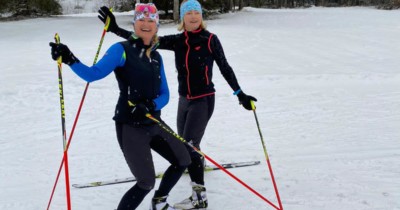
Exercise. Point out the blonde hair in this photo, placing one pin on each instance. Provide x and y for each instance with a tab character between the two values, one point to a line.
154	43
181	25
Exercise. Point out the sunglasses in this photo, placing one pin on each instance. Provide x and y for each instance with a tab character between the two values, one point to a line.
146	8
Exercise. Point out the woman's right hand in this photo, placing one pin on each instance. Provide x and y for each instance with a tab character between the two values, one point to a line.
62	50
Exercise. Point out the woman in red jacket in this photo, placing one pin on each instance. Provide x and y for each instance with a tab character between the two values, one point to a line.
195	50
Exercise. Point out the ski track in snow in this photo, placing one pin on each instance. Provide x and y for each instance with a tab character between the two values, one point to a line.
327	82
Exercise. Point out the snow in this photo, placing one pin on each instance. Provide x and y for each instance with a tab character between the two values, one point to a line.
327	82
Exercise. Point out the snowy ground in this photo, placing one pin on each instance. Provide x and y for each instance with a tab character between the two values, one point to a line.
328	88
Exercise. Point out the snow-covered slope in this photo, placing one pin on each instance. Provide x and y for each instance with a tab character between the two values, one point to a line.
328	88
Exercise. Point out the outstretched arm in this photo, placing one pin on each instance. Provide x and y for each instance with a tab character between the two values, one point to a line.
104	13
168	42
229	75
112	59
225	68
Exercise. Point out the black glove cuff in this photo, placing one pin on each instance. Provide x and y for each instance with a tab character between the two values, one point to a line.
151	105
241	96
71	59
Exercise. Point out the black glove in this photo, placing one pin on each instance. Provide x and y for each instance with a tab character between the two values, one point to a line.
58	50
140	110
105	12
245	100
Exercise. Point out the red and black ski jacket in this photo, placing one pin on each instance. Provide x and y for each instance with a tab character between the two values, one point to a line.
195	53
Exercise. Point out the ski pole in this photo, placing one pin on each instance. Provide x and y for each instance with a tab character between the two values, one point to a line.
61	93
78	112
164	127
266	156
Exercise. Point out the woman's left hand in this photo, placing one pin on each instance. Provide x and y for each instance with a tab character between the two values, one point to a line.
245	100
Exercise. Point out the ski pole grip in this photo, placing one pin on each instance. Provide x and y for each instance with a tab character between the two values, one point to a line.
57	40
131	104
107	24
253	106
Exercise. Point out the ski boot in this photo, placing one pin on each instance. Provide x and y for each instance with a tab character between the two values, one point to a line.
160	203
198	200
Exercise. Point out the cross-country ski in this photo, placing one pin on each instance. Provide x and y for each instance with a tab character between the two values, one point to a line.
159	175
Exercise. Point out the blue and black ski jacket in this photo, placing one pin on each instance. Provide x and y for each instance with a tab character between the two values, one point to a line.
140	78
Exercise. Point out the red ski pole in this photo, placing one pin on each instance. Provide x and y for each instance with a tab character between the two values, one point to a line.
209	159
267	157
65	157
78	113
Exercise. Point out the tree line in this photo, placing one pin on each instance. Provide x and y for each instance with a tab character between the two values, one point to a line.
27	8
170	8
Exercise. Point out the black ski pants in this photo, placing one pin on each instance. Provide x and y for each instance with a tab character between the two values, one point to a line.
192	120
136	143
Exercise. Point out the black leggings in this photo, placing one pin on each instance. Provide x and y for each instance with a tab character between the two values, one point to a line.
193	116
136	143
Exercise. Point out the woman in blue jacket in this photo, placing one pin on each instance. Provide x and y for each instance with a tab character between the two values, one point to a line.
195	50
141	79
